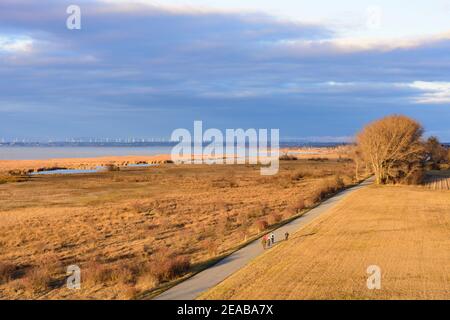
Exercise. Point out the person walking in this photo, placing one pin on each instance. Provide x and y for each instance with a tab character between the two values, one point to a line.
264	242
272	238
286	236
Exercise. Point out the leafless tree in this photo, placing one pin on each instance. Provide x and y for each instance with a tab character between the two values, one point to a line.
393	148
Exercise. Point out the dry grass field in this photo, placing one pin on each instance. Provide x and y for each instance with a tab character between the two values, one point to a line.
403	230
135	229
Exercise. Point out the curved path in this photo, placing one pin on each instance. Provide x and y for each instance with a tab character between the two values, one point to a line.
194	286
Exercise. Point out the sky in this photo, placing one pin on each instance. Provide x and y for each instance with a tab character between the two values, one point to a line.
317	70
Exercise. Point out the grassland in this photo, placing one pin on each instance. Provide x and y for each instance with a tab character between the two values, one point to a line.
403	230
133	230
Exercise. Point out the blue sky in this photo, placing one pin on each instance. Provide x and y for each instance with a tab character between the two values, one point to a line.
314	69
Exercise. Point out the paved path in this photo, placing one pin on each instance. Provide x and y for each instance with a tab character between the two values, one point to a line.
208	278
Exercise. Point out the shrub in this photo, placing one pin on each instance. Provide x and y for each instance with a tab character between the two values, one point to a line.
313	199
274	218
326	188
299	205
243	219
129	292
290	211
297	176
338	183
96	273
124	274
300	174
312	172
309	202
146	281
7	271
415	178
111	167
211	247
38	279
261	225
288	157
170	268
13	178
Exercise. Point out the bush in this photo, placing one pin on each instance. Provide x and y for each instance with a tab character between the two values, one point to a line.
125	274
338	183
261	225
301	174
170	268
96	273
288	157
7	271
415	178
146	281
211	247
129	292
313	199
326	188
313	172
274	218
299	205
38	279
111	167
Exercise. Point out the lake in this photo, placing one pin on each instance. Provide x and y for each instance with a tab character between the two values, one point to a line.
40	152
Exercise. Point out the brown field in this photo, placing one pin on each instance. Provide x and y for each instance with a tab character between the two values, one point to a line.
403	230
317	152
134	230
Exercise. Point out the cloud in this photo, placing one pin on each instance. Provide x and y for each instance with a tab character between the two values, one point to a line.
15	45
433	92
158	67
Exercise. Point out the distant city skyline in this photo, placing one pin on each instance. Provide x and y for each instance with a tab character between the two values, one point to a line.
313	69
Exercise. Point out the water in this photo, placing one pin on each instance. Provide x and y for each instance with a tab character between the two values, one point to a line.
98	169
30	151
42	152
67	171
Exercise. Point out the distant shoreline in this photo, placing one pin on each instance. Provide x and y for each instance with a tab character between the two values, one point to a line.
25	166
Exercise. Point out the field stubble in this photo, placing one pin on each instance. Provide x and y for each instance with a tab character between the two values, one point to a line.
403	230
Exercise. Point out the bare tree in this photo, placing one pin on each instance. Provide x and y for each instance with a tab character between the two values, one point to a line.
392	147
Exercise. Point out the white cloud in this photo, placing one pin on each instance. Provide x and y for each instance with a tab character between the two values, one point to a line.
433	92
340	84
15	44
